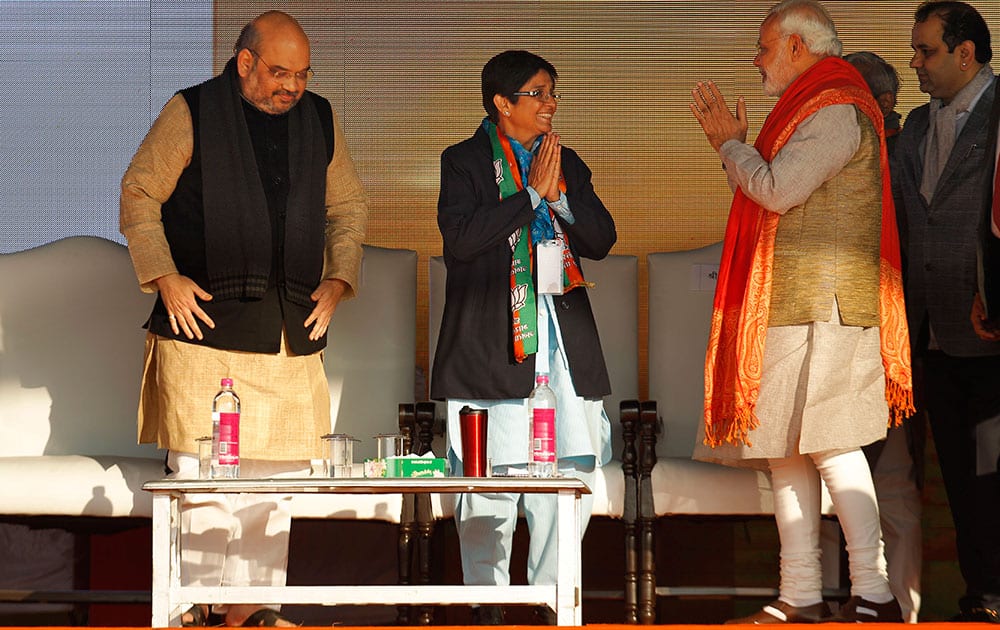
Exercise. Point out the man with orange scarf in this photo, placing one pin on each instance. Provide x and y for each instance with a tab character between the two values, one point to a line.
808	357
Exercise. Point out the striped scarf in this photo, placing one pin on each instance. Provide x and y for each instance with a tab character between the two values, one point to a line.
511	173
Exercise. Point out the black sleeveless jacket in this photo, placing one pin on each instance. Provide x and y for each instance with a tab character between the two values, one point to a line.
241	324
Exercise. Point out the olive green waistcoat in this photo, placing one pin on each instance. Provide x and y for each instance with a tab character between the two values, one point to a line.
828	247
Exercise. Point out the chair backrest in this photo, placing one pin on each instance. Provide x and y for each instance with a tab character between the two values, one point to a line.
370	356
614	300
71	346
681	290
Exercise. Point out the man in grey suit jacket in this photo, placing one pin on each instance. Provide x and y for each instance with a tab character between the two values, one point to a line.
939	172
986	308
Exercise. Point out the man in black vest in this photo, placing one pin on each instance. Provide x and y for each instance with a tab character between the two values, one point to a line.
243	211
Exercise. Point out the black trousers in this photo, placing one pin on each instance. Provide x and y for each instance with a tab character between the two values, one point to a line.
959	394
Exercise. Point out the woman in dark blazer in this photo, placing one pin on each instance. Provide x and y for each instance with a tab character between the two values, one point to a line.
505	190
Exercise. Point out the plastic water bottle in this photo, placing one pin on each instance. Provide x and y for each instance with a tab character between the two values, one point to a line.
542	430
226	432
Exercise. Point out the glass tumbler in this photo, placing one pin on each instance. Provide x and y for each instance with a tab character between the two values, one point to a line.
205	457
339	455
389	445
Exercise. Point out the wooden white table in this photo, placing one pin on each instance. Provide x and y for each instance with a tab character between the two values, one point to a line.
170	600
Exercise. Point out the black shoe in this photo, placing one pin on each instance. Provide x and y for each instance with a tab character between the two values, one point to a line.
860	610
487	616
977	615
544	616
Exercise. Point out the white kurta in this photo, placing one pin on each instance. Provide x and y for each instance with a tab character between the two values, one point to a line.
822	389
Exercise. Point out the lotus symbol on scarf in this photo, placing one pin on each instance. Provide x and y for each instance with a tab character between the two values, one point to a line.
518	296
512	239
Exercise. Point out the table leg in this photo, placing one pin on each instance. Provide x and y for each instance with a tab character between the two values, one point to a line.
162	559
568	609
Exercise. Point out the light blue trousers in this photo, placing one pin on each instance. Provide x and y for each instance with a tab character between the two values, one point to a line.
486	522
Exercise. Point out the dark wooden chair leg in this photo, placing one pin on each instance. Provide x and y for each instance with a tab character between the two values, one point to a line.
648	426
424	513
629	414
407	520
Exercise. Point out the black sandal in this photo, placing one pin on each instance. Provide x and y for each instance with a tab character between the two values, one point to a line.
265	617
198	617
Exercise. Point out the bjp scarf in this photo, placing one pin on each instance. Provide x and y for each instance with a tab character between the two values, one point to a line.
734	359
524	313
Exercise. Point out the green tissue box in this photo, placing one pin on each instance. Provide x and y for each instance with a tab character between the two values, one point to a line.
415	467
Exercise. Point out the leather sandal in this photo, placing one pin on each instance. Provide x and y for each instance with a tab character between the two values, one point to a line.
266	617
781	612
978	614
544	616
859	610
199	617
487	615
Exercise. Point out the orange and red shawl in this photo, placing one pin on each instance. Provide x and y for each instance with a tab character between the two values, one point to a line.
743	294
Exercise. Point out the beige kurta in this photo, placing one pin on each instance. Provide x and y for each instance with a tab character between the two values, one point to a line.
284	398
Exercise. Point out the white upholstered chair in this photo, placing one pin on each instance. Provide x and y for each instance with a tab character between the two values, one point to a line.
71	347
681	291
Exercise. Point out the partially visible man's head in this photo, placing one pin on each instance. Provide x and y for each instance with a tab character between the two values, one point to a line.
272	58
961	22
951	43
809	20
795	35
880	75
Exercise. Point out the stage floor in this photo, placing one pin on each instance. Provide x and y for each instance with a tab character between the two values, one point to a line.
874	626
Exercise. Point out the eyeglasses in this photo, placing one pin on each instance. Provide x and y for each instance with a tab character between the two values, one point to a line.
281	75
544	97
760	45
